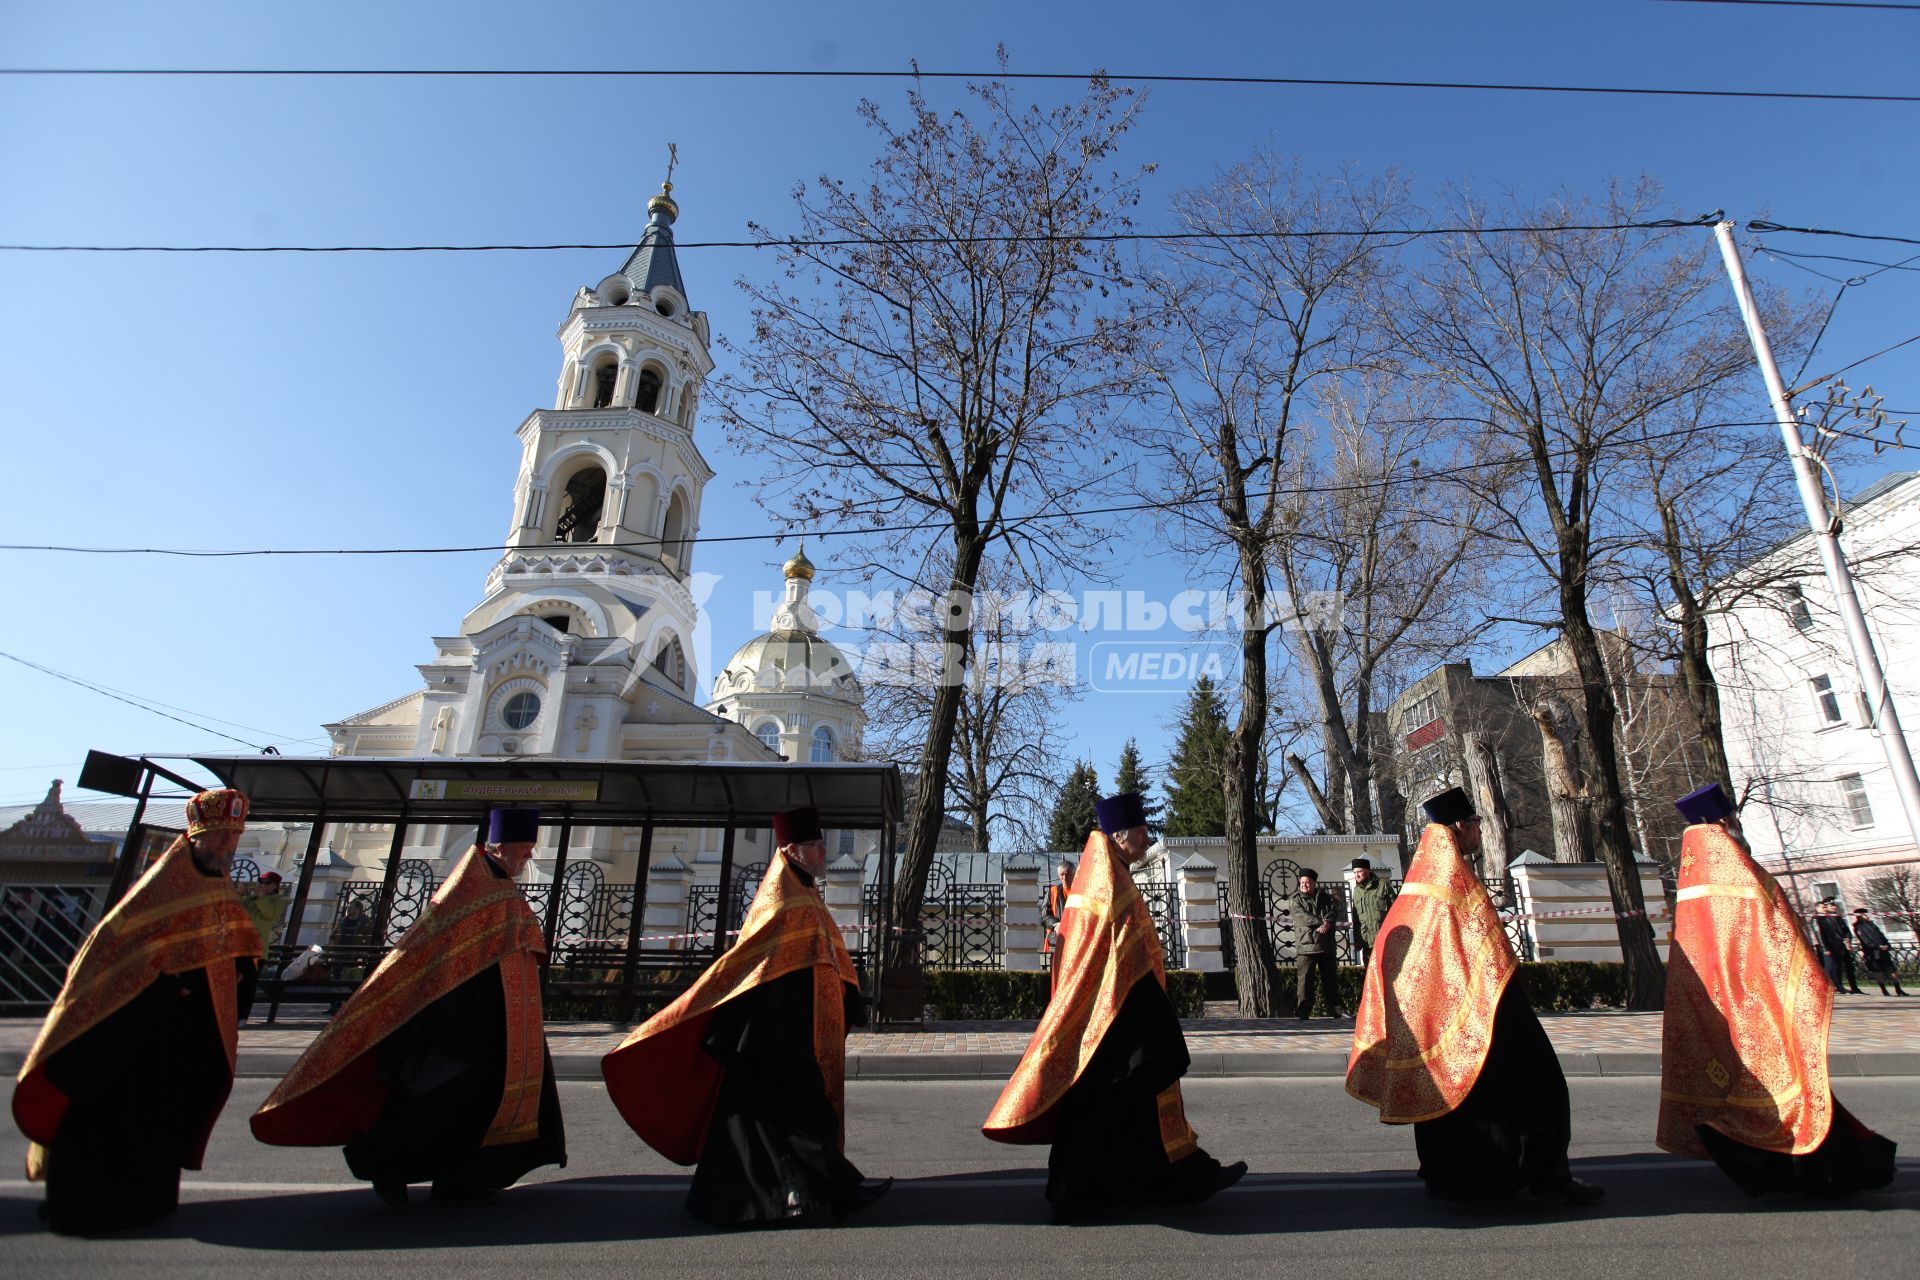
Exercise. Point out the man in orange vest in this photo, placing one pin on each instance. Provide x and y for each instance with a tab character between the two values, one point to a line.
1101	1078
1743	1061
436	1069
745	1074
1446	1041
135	1061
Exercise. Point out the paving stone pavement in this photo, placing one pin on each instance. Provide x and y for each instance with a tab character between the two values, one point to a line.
1871	1035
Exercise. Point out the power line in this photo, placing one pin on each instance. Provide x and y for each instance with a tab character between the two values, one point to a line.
1806	4
845	242
1415	475
105	693
1764	227
796	73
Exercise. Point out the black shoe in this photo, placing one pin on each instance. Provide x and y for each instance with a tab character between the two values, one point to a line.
1303	1015
1572	1191
392	1194
869	1190
1223	1177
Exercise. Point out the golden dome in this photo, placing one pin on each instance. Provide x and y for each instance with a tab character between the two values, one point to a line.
664	201
799	566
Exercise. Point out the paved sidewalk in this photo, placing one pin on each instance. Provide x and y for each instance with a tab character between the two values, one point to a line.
1872	1035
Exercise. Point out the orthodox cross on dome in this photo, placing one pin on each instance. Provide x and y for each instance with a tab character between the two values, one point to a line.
673	158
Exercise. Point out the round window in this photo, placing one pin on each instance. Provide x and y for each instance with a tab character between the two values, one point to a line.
521	710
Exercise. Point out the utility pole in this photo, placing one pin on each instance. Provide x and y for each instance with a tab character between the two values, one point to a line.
1826	535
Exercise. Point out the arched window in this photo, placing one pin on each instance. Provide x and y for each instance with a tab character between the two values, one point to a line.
769	734
673	533
649	395
580	518
822	746
604	378
670	660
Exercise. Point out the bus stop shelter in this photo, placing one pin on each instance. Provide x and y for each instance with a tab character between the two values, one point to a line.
571	795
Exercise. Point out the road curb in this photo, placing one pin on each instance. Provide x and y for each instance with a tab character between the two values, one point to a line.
1208	1064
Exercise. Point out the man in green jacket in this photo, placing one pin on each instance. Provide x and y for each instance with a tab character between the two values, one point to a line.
1315	948
1371	897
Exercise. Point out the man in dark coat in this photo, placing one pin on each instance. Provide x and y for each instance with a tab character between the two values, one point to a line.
745	1073
135	1061
436	1069
1316	914
1836	949
1100	1079
1371	897
1876	953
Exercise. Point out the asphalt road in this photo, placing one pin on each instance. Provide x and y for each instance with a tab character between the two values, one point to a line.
1331	1195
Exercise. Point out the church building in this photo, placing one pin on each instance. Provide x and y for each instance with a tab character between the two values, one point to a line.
581	645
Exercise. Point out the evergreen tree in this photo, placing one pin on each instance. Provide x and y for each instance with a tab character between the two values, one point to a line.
1196	791
1132	776
1073	814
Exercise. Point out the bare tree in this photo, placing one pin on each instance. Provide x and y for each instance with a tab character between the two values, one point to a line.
936	358
1391	564
1250	322
1575	344
1006	762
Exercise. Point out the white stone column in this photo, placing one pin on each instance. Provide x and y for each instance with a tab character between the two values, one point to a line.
667	882
842	892
1545	886
1021	931
1199	885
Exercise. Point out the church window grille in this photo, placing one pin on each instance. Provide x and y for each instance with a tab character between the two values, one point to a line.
822	746
604	379
769	734
650	387
521	710
586	493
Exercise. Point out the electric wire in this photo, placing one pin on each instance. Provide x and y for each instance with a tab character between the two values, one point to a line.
1413	475
918	73
89	685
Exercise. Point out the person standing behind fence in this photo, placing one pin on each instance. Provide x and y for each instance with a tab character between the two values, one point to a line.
1743	1059
1316	914
436	1069
1100	1079
1836	948
1371	897
745	1074
1876	953
1053	915
1446	1041
135	1061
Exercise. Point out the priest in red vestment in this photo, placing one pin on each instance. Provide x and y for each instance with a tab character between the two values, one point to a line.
1743	1061
1100	1079
436	1069
745	1074
1446	1041
136	1058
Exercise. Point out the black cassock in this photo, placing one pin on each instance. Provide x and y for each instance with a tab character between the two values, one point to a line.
141	1085
1515	1124
445	1070
1107	1149
772	1149
1851	1158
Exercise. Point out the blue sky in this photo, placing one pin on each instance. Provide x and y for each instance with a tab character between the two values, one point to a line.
224	401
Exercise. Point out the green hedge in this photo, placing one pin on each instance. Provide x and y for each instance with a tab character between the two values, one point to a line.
974	994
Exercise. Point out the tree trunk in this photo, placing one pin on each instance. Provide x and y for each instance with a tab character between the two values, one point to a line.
1696	672
1646	975
1253	958
1360	763
1328	818
928	812
1566	794
1496	822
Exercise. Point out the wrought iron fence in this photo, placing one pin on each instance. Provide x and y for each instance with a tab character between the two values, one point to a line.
41	926
1163	902
962	923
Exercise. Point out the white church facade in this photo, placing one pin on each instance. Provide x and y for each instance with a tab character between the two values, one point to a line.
583	643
